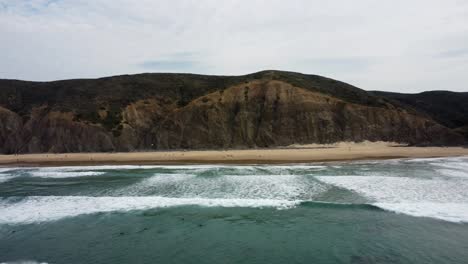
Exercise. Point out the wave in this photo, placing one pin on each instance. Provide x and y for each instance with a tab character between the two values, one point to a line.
36	209
459	166
385	189
415	160
48	173
7	173
178	167
23	262
5	177
64	174
453	173
435	198
49	208
437	159
436	188
8	169
125	167
337	205
97	167
281	187
452	212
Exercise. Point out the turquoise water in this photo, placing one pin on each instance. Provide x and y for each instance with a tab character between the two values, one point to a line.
396	211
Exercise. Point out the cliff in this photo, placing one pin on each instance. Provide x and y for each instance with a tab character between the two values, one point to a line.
448	108
174	111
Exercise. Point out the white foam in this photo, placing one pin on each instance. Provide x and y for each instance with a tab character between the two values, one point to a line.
23	262
428	159
377	161
176	167
453	173
48	208
137	167
463	166
402	189
64	174
413	196
288	187
453	212
97	167
7	169
291	167
5	177
285	170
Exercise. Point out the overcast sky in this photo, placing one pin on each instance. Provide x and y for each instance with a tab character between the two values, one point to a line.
394	45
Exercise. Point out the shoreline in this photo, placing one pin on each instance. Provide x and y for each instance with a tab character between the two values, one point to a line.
305	154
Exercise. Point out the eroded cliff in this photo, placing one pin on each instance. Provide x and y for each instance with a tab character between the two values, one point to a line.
198	112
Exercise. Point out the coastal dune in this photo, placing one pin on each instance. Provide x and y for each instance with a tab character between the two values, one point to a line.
291	154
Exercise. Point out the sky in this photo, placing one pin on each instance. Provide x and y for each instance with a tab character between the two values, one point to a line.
393	45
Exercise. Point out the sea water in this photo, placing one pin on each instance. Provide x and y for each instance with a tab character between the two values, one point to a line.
392	211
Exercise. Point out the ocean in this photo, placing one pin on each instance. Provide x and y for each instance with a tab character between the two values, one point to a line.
388	211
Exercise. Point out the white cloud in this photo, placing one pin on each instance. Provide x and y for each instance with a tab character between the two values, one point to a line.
398	45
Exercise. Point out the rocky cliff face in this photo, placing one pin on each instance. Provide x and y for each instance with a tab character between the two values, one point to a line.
10	127
49	131
197	112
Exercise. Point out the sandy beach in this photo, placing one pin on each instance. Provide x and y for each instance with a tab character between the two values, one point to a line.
291	154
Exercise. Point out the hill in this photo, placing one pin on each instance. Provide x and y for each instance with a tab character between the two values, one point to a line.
448	108
187	111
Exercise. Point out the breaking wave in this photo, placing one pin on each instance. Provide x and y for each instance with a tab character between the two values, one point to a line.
433	188
64	174
436	198
48	208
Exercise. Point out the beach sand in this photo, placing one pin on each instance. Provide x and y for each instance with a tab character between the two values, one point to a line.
291	154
